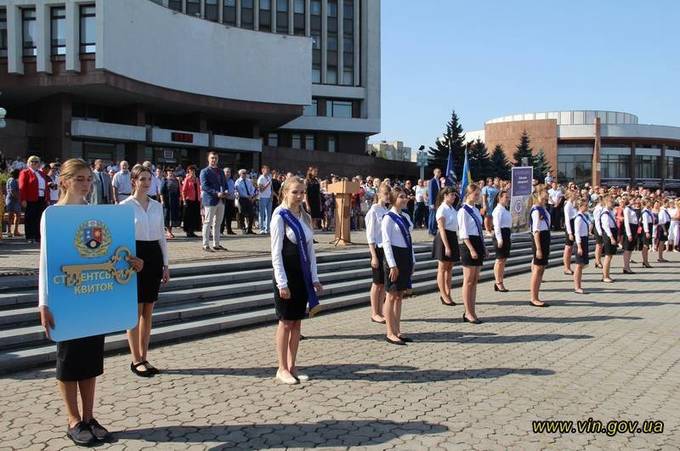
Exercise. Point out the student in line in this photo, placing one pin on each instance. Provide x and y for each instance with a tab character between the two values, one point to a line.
647	219
540	245
597	231
610	237
373	220
445	246
81	360
570	213
396	237
663	223
630	225
296	282
580	230
472	250
502	222
152	248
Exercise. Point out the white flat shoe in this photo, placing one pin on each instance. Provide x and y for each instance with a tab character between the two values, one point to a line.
302	377
286	379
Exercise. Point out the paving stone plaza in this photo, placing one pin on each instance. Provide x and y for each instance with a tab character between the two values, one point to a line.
610	355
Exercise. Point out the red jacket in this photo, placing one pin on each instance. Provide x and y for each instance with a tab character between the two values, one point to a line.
28	185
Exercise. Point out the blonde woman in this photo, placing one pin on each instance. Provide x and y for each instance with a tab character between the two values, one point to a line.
664	220
630	226
374	218
647	219
580	230
540	245
79	361
295	275
570	213
610	236
445	246
472	250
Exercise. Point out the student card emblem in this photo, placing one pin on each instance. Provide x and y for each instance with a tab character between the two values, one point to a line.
92	239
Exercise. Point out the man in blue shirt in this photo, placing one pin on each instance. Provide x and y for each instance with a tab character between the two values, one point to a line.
229	203
432	192
246	193
489	197
213	190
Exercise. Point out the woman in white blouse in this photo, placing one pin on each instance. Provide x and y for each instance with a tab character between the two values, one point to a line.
396	230
373	219
472	250
569	217
540	243
630	225
647	219
153	250
610	237
296	282
445	246
502	222
580	230
663	223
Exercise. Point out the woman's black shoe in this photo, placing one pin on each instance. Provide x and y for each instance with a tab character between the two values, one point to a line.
406	339
151	368
627	271
539	305
450	304
99	431
395	342
646	265
598	265
81	435
379	322
134	367
502	290
465	320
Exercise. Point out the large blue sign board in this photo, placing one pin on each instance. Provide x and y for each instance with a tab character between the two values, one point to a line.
91	288
522	178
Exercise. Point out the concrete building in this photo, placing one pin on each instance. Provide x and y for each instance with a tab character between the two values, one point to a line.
390	150
607	147
284	82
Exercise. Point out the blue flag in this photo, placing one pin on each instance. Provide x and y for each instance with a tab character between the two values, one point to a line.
450	172
466	178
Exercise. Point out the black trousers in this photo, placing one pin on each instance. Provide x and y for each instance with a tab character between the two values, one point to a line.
247	214
34	211
229	213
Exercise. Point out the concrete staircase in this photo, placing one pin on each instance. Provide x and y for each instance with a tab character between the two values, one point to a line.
214	297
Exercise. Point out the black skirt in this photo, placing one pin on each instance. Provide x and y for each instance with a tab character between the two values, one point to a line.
439	251
609	246
661	232
569	242
544	237
644	241
149	278
80	359
598	237
404	260
629	242
465	256
379	272
503	251
295	308
582	259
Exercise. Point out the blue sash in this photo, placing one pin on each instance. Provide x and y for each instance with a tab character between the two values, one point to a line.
542	213
584	218
649	215
471	212
305	262
401	223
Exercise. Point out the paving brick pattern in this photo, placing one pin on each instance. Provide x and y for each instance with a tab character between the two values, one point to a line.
612	354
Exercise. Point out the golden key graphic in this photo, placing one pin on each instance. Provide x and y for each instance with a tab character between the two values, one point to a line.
122	276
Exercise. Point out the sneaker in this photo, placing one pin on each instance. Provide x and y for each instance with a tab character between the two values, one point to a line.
99	431
208	249
81	435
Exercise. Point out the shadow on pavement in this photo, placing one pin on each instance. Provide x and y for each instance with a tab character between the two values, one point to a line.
524	319
584	303
459	337
327	433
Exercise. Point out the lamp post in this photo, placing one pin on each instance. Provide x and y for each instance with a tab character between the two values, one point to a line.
422	161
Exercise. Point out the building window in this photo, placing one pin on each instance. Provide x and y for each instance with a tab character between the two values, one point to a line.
296	141
332	53
311	110
211	12
315	25
299	17
175	5
348	42
3	33
331	144
273	139
88	29
341	108
615	166
229	13
193	7
282	16
265	15
576	168
58	30
247	14
647	166
28	31
310	142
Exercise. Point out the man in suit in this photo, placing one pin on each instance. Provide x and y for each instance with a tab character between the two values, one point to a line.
432	191
101	185
213	191
246	192
229	203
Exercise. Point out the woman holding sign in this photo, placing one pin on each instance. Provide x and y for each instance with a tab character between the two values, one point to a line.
296	282
153	250
79	361
540	245
472	250
396	230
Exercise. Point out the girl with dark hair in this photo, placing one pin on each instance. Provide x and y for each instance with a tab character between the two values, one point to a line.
13	203
445	246
540	244
647	218
630	226
580	230
313	196
502	221
472	250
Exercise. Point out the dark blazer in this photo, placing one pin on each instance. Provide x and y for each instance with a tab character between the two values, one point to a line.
211	182
432	191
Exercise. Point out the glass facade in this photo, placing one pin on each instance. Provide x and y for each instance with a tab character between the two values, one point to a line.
193	7
315	20
58	30
348	42
211	10
247	14
310	142
296	141
273	139
282	16
576	168
331	144
229	12
3	33
615	166
332	36
341	108
299	17
647	167
311	110
88	29
265	14
28	29
175	5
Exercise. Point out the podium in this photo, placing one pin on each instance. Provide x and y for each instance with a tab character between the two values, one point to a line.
343	202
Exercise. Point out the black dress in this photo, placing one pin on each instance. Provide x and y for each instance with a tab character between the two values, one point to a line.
314	198
295	308
583	259
379	272
149	278
610	245
544	238
170	193
80	359
404	260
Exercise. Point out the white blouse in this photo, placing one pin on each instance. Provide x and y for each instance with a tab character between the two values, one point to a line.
277	229
647	220
629	217
580	227
391	236
502	219
597	212
466	223
664	216
373	220
149	223
569	213
450	216
538	224
607	223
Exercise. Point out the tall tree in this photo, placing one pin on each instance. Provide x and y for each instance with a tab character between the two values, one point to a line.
480	163
453	139
500	165
524	150
541	166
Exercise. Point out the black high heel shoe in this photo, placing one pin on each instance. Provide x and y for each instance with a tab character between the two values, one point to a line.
647	265
449	304
626	271
502	290
465	320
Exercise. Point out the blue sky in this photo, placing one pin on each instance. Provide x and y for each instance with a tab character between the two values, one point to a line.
487	58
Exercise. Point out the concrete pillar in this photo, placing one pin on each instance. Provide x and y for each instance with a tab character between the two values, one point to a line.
341	41
238	13
256	14
663	166
291	16
73	37
597	151
15	60
324	40
633	170
43	44
308	18
357	43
